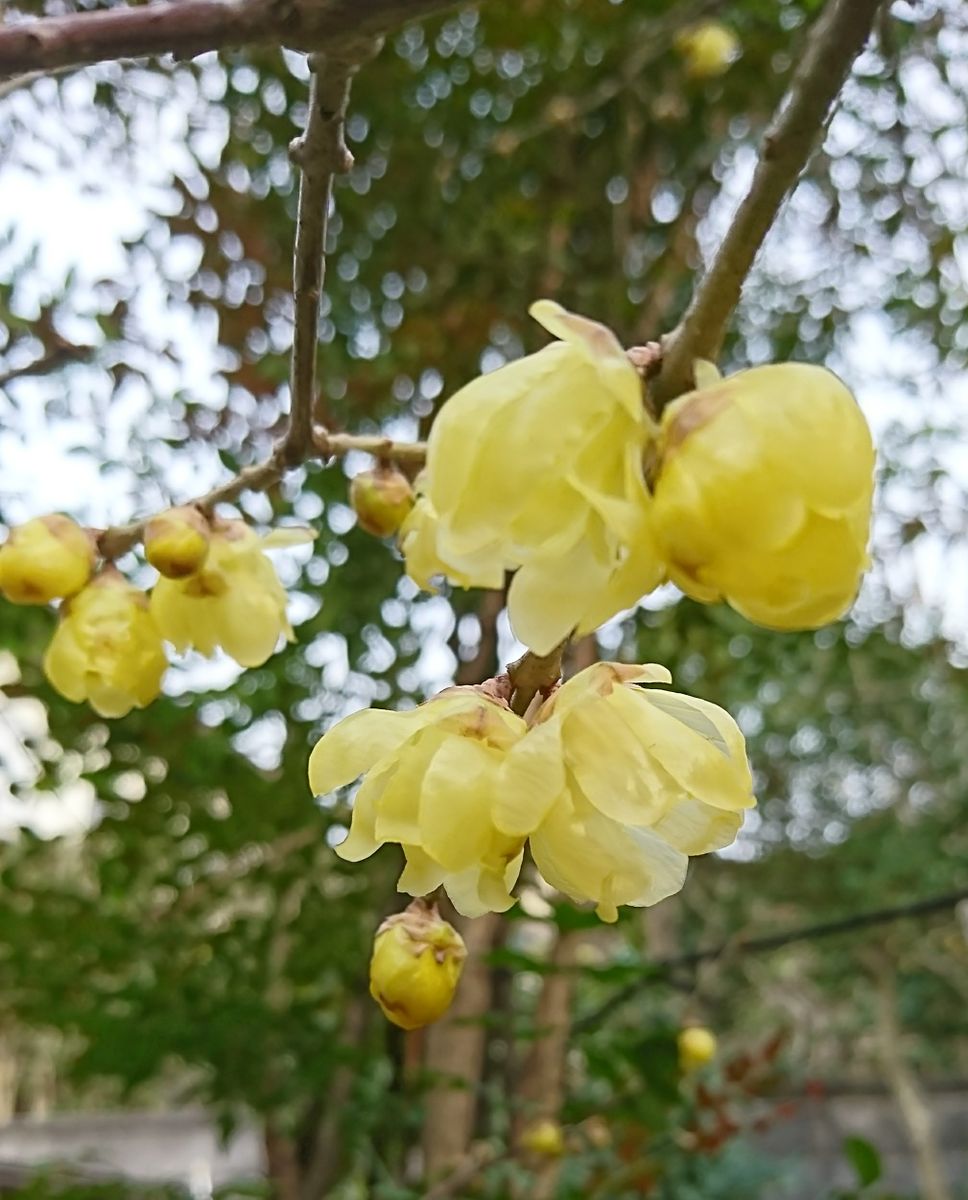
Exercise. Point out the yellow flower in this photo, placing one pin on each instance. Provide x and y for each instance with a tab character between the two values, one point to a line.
381	499
107	649
537	467
416	966
544	1137
430	775
235	601
45	559
763	495
617	785
709	49
176	542
697	1046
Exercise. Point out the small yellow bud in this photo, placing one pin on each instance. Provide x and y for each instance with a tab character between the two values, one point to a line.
697	1046
47	558
416	965
177	541
382	500
107	650
709	49
544	1137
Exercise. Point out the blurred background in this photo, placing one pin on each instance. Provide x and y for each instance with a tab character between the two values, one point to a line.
183	959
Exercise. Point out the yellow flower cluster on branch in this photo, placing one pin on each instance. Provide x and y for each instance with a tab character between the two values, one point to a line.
217	589
755	489
614	784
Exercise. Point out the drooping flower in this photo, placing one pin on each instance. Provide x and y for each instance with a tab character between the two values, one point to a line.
763	494
235	601
697	1047
617	785
382	500
107	649
709	49
537	468
430	775
176	542
416	965
45	559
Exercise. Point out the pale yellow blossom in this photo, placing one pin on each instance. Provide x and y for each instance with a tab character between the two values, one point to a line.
763	494
617	785
106	649
537	468
430	775
235	601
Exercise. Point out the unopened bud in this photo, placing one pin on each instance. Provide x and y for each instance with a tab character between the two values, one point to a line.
416	965
46	559
709	49
177	541
544	1137
381	499
697	1046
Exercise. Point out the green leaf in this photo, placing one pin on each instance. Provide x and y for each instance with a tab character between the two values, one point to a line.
864	1158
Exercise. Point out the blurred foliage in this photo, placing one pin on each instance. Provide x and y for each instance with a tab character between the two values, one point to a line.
203	932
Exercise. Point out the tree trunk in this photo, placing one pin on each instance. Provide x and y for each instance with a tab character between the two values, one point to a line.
903	1083
454	1052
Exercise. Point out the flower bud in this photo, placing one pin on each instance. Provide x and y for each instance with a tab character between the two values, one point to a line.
697	1046
708	49
47	558
381	499
177	541
416	965
544	1137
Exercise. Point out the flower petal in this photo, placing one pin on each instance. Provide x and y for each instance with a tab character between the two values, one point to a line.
358	741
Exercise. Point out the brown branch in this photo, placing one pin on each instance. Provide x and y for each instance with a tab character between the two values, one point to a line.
834	42
662	968
321	154
533	673
189	27
259	477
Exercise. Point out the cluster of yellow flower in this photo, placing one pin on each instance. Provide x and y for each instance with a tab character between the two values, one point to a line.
614	785
755	489
217	588
759	491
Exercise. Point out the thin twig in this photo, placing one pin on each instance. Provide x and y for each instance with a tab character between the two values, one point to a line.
834	42
189	27
533	673
662	967
259	477
321	154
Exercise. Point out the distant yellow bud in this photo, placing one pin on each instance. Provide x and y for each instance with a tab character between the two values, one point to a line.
381	500
709	49
235	601
176	542
106	649
47	558
763	494
544	1137
416	966
537	468
697	1046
